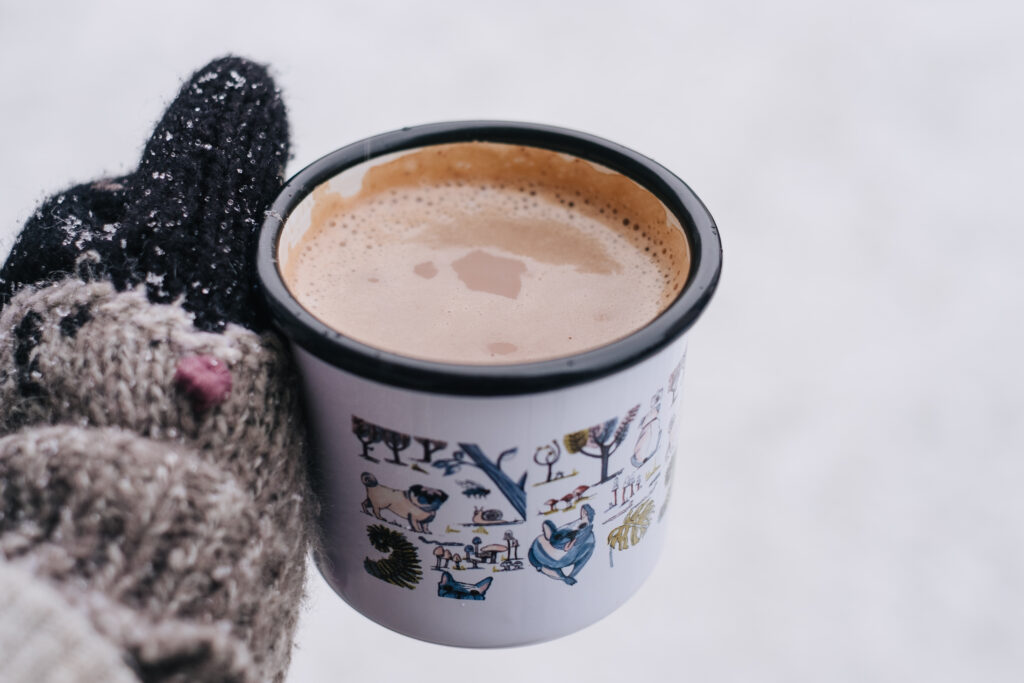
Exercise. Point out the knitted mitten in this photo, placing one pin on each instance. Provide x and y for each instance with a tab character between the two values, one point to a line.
151	459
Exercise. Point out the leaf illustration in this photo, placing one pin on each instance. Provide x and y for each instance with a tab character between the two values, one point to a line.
633	528
620	433
575	441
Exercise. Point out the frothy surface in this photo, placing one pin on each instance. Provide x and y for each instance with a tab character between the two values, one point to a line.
484	253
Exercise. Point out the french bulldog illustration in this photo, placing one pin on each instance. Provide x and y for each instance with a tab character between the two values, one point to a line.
417	505
564	548
448	587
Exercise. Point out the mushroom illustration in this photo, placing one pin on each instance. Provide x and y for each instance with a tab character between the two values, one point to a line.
489	553
439	554
511	544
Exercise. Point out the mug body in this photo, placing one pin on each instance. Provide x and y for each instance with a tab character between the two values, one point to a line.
491	505
491	521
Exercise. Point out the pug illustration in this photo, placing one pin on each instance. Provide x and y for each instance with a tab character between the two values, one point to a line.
417	505
565	548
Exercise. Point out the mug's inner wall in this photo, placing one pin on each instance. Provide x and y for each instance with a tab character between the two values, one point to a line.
537	216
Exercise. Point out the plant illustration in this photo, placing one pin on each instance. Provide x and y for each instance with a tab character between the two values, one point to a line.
402	566
547	455
601	441
633	528
396	442
368	434
430	446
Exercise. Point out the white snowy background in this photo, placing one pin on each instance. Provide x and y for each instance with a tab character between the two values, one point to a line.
850	498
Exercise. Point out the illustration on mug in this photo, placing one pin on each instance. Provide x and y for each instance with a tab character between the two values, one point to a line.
369	434
402	565
448	587
601	441
673	437
500	557
470	455
494	495
417	505
670	462
632	530
674	377
624	492
471	489
570	500
561	552
649	440
546	456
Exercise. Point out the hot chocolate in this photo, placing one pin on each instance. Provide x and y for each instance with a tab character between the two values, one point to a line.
484	253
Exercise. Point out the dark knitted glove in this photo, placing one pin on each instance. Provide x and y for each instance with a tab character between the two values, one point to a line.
151	459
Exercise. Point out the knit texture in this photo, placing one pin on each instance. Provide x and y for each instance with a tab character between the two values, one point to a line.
43	641
152	451
183	224
117	370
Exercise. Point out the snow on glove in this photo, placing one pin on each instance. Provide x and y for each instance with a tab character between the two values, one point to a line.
152	453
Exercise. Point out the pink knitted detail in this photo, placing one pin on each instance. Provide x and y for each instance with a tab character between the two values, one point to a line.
204	379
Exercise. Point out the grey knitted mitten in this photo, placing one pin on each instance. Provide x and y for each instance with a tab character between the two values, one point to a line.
152	452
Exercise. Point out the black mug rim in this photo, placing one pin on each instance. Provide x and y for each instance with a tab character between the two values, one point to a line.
302	328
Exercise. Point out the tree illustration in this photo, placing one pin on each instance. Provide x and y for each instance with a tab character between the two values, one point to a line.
548	455
368	434
429	447
514	491
396	442
601	440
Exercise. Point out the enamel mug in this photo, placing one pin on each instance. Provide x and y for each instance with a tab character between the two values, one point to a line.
491	505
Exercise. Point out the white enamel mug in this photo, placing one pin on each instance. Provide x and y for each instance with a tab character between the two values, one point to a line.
491	505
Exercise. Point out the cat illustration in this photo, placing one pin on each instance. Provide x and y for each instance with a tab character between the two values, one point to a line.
567	547
448	587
